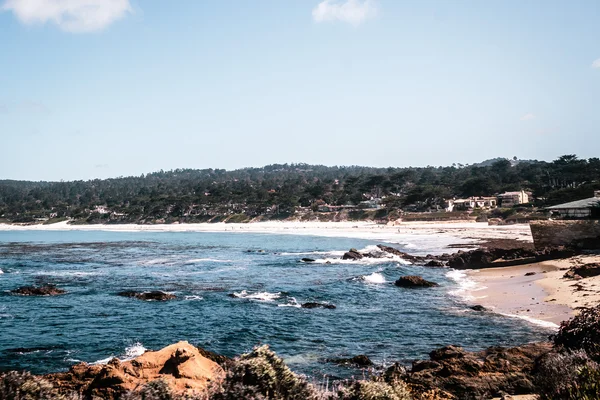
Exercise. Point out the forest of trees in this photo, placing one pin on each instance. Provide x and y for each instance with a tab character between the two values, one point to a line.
189	195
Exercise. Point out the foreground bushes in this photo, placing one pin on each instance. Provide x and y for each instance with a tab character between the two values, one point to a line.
581	333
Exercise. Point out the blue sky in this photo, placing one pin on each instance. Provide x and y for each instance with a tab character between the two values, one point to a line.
104	88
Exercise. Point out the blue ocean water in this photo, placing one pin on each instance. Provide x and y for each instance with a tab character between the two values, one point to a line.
268	281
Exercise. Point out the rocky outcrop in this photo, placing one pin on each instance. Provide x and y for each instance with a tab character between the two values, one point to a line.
478	375
360	361
352	254
399	253
414	281
317	305
155	295
478	308
46	290
308	260
583	271
180	365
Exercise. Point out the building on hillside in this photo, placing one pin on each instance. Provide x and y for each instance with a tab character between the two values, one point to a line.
579	209
470	203
509	199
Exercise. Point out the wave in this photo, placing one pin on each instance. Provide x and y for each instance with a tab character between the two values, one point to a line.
466	286
292	302
68	273
194	298
535	321
261	296
310	253
131	352
1	272
375	277
197	260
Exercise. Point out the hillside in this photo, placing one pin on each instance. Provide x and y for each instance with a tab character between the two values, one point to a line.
276	191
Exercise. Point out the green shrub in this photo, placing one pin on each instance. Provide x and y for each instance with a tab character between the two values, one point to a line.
581	332
24	386
374	390
261	375
567	375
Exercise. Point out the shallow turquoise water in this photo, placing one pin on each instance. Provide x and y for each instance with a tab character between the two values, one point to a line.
91	323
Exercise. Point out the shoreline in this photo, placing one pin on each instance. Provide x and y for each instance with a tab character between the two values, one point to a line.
543	295
454	233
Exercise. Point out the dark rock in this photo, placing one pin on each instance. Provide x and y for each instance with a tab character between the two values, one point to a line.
478	308
583	271
352	254
155	295
478	375
46	290
414	281
530	273
318	305
359	361
308	260
434	263
399	253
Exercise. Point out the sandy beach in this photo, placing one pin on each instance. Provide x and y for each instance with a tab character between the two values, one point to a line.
536	291
446	233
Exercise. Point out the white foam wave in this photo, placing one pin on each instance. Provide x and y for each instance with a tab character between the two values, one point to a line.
197	260
292	302
262	296
466	286
363	261
68	273
194	298
131	352
7	316
375	277
332	253
1	272
535	321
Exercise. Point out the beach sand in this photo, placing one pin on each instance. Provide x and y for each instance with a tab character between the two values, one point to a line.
544	296
445	233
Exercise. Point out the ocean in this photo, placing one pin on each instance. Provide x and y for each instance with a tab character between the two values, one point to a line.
234	291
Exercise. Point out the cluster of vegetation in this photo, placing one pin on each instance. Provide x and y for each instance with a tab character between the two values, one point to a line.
572	371
274	191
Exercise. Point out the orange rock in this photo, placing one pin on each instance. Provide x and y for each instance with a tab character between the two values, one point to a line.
180	365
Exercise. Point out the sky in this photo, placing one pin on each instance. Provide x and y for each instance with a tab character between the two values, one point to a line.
106	88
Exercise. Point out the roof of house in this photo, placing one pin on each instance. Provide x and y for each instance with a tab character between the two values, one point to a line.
585	203
510	194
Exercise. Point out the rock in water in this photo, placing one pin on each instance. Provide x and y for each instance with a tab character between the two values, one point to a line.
317	305
434	263
46	290
414	281
478	308
155	295
353	254
180	365
359	361
308	260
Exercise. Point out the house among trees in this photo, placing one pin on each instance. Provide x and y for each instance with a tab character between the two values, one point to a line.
470	203
509	199
580	209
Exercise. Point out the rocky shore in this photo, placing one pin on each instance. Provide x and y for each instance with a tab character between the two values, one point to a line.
563	368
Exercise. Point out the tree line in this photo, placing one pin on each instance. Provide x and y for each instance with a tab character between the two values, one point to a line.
191	195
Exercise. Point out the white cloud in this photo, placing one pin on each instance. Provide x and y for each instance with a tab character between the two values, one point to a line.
596	64
353	12
527	117
69	15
